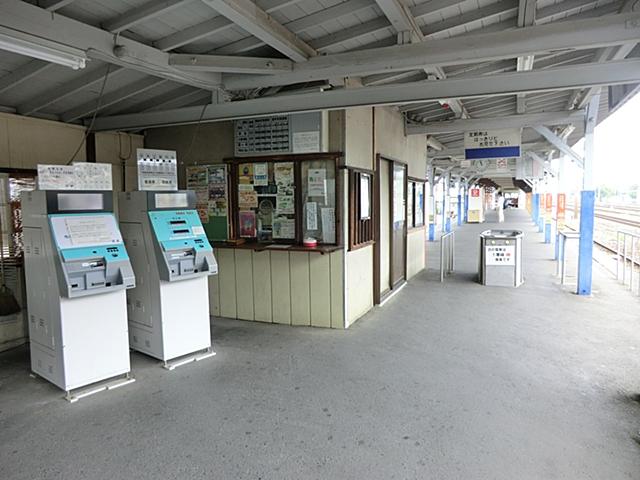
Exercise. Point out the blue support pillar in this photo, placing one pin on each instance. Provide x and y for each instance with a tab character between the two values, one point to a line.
585	249
536	207
459	208
466	205
557	251
432	232
547	232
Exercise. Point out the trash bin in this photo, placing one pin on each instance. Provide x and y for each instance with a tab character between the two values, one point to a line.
501	258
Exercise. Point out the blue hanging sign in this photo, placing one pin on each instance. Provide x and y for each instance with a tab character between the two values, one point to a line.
492	144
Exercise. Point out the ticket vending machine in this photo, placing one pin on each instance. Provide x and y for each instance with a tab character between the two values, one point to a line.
77	270
169	308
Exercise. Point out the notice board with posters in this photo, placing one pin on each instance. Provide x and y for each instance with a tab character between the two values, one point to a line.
211	187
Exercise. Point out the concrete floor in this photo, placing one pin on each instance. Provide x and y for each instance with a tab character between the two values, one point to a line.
452	381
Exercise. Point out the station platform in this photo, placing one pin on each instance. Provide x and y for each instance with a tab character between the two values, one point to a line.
447	380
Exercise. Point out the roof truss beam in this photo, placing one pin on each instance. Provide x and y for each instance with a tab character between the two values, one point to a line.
251	18
508	121
300	25
398	13
558	143
570	35
226	63
211	26
53	5
611	73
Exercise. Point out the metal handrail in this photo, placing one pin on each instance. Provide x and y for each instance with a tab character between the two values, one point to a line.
563	238
622	256
447	254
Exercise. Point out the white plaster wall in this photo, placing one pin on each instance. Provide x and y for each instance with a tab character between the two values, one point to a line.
416	250
359	138
118	149
25	142
392	142
212	143
359	278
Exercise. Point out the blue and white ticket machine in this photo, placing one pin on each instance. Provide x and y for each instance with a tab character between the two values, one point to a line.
77	272
169	308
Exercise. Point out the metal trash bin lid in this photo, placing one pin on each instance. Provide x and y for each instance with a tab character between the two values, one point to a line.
502	234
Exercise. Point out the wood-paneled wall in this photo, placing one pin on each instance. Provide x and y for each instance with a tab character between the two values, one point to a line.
292	288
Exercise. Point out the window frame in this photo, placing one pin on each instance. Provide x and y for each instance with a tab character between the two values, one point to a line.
361	228
297	159
414	220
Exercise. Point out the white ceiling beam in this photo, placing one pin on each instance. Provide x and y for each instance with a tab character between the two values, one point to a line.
142	13
226	63
299	25
612	73
398	13
72	87
99	44
22	74
109	99
254	20
508	121
212	26
526	18
434	143
579	34
558	143
53	5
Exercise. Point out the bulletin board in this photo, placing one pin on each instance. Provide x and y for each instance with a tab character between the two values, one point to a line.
211	187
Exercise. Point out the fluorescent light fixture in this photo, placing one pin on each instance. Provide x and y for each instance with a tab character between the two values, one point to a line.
43	49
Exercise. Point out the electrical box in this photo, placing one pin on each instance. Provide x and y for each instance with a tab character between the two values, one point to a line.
169	308
77	271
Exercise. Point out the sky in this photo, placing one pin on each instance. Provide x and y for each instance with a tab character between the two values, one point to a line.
617	157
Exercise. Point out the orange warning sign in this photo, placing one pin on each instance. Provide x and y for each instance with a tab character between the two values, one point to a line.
561	211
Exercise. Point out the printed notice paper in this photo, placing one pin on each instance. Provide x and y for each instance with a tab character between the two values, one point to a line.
316	182
312	215
328	225
260	174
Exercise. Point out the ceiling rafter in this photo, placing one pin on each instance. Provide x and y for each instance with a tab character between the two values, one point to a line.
254	20
398	13
212	26
502	121
563	78
571	35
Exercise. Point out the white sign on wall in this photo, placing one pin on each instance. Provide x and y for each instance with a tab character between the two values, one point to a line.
79	176
157	169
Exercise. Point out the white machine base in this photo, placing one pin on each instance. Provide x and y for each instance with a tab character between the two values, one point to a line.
74	395
192	357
